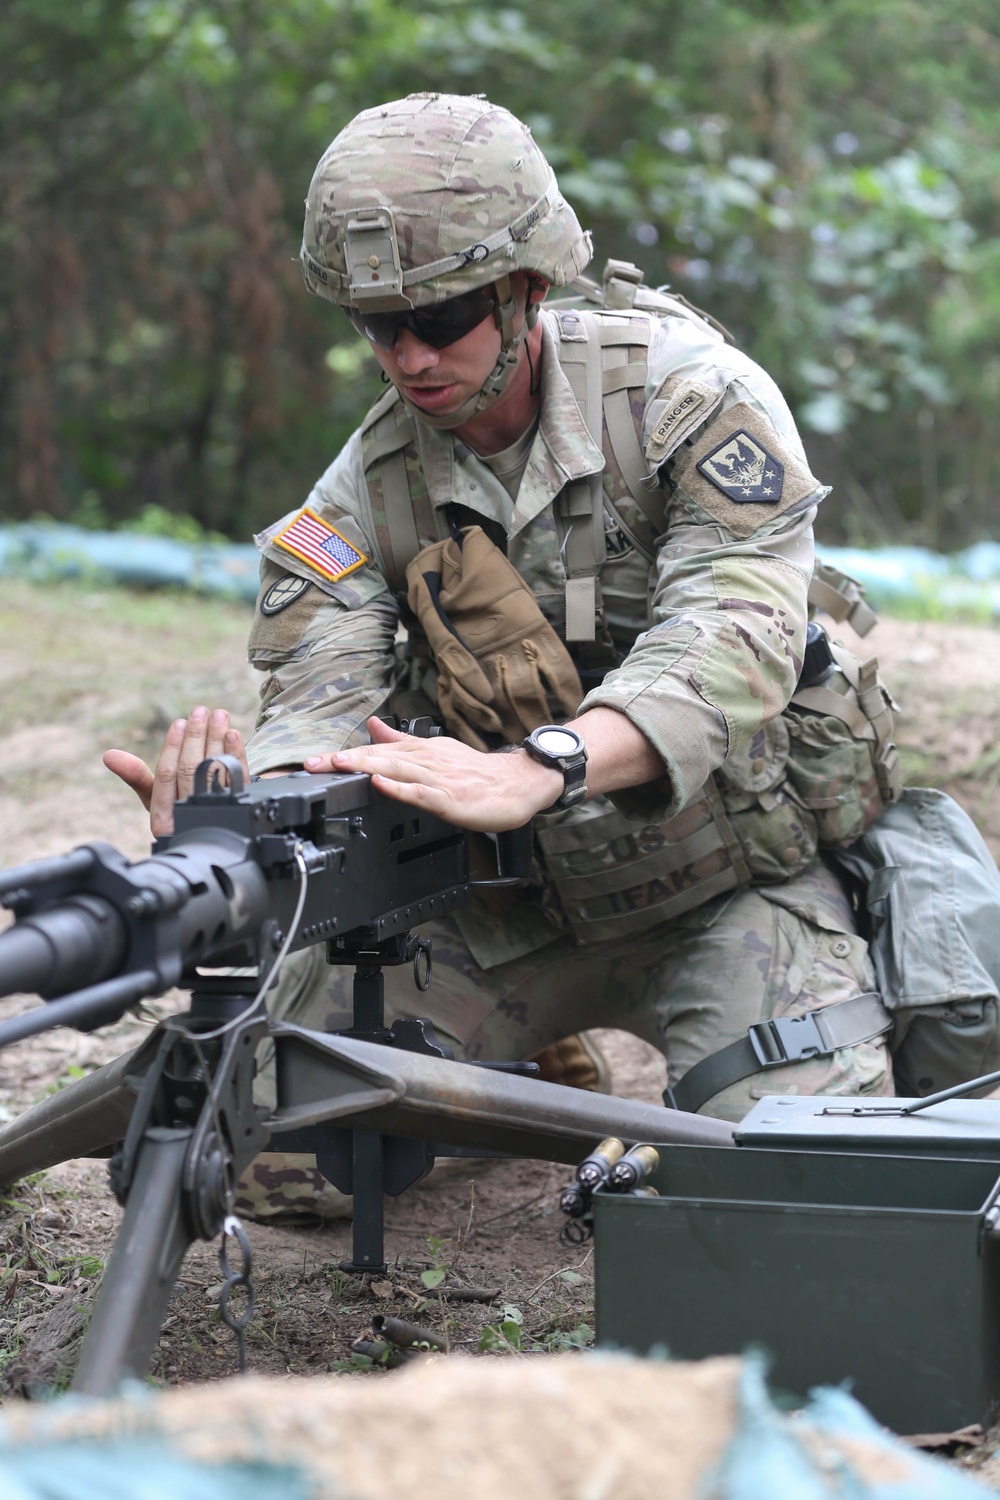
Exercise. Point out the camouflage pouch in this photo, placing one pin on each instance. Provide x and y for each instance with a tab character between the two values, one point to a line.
615	878
843	766
777	834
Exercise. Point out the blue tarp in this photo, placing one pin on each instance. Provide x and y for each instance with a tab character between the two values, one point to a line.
132	1470
916	580
42	551
773	1455
908	579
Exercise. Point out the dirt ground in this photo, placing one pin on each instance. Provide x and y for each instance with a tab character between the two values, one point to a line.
83	668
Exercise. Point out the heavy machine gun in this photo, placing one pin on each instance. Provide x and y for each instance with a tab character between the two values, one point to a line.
250	874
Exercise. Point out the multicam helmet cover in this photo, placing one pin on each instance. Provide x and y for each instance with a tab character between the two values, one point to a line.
423	199
430	196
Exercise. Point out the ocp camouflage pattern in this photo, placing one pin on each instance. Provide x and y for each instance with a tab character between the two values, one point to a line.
453	171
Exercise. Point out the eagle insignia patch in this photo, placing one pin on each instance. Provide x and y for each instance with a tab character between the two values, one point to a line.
744	470
319	544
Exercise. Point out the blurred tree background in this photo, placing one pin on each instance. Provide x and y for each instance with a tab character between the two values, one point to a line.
822	175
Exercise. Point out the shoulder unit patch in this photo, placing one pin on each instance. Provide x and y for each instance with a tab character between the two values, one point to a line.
314	541
750	477
744	470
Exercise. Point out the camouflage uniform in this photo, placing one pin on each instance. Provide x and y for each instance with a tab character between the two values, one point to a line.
684	910
713	634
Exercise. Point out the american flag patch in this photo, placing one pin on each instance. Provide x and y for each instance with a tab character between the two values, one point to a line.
320	545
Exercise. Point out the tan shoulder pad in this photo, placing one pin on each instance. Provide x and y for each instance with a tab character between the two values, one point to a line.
743	473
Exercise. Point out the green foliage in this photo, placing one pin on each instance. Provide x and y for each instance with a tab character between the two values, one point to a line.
560	1340
820	174
504	1337
73	1074
438	1269
509	1335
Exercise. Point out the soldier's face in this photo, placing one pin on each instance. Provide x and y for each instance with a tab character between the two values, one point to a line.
442	380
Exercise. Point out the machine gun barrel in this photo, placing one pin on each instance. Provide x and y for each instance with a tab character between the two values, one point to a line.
76	944
96	933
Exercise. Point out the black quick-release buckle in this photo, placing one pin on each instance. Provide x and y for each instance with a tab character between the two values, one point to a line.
787	1039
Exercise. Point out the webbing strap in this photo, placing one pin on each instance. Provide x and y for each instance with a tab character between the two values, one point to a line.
398	514
774	1043
824	700
841	597
581	505
401	525
734	849
617	381
621	377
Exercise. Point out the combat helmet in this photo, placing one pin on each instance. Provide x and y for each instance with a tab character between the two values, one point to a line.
429	197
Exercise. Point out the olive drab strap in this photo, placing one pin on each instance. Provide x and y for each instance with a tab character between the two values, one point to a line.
608	339
620	376
580	506
399	514
774	1043
841	597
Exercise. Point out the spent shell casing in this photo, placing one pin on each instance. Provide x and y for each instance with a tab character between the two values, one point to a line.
632	1168
405	1335
643	1192
594	1169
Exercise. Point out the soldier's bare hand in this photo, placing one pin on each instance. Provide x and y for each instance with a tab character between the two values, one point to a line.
187	742
467	787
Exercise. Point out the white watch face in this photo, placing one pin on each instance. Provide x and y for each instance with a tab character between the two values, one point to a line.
557	741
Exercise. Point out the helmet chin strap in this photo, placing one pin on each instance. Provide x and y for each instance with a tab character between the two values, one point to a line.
496	382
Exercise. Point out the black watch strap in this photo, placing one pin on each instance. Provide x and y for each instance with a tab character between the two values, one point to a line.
561	748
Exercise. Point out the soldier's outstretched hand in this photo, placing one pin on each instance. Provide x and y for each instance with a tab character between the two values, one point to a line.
471	788
187	742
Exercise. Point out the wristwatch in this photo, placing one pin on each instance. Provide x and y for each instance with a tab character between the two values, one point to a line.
561	748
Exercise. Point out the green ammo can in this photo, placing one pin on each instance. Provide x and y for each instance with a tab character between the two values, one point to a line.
850	1241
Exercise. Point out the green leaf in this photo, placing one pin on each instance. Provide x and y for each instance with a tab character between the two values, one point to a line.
433	1278
511	1331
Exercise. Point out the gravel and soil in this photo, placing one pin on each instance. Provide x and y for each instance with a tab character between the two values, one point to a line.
84	667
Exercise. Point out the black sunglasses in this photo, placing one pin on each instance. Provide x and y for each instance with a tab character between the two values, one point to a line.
437	326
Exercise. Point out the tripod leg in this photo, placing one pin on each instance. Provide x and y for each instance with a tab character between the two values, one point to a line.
143	1268
368	1248
82	1119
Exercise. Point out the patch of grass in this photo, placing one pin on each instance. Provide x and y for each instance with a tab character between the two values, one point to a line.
63	639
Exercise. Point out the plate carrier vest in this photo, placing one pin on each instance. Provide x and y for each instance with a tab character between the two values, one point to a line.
816	776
